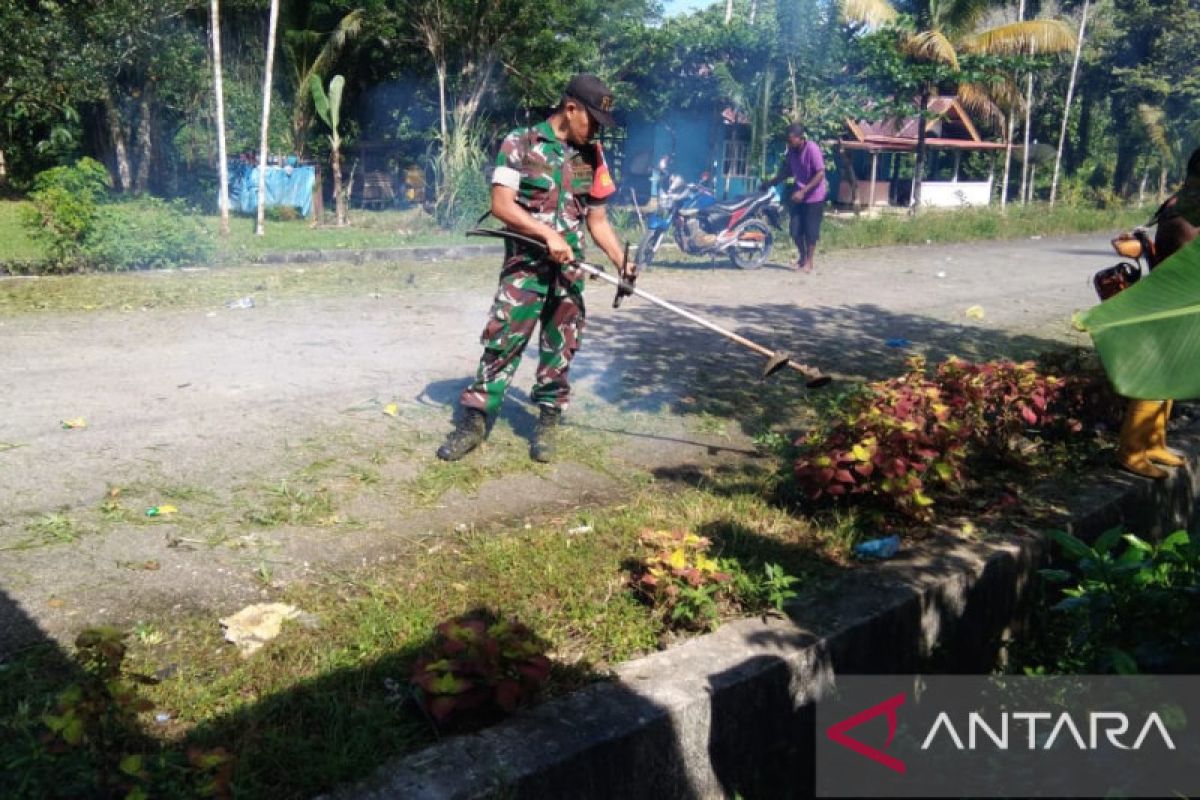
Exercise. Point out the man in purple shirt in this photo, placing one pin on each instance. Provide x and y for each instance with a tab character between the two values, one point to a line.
804	164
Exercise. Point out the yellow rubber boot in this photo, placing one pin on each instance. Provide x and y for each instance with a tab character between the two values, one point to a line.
1137	432
1158	452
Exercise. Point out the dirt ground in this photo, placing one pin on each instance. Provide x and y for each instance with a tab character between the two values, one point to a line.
248	421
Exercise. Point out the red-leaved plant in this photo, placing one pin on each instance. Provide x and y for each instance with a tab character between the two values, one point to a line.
902	440
678	577
480	665
1004	400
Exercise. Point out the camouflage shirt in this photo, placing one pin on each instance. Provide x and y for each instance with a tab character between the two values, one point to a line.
534	163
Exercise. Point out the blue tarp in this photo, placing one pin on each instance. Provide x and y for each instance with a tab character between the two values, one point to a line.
286	186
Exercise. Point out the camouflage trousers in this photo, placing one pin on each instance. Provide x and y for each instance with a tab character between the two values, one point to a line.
516	312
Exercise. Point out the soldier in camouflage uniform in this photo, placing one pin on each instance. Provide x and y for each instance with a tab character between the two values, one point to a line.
549	181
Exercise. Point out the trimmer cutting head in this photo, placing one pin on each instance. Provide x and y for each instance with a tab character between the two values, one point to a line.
782	359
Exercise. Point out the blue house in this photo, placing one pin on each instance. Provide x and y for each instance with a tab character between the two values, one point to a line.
692	143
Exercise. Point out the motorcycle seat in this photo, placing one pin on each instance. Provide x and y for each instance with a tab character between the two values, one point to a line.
729	207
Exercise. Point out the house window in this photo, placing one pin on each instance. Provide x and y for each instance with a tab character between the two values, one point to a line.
737	152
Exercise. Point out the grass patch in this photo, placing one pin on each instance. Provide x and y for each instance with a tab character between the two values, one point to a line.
944	226
15	242
320	707
367	230
212	289
504	453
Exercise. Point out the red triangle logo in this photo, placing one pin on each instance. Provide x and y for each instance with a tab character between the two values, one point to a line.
837	732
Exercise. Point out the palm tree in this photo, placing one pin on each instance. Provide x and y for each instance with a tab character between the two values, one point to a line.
946	28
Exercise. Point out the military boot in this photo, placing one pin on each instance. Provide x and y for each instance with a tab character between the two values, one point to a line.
466	436
545	435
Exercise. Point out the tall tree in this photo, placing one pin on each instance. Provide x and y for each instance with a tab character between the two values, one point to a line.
1062	136
1152	62
143	55
219	102
266	119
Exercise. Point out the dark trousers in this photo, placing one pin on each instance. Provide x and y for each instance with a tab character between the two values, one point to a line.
805	227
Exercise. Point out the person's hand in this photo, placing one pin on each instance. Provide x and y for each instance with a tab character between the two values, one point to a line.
630	272
560	252
798	197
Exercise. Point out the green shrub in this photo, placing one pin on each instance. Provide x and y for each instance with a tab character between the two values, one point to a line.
65	202
1122	610
145	233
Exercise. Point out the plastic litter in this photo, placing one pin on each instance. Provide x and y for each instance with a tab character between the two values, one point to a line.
941	273
255	625
975	312
74	422
392	409
161	511
898	342
243	302
884	547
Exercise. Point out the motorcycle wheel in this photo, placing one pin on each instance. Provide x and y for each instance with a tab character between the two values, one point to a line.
648	248
752	246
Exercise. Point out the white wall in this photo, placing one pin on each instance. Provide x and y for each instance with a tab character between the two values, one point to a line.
953	194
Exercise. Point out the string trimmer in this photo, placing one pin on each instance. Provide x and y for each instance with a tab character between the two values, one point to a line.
776	359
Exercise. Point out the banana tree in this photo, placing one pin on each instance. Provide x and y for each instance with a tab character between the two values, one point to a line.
310	52
329	109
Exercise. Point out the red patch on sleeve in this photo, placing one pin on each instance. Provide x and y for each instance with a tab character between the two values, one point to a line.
602	182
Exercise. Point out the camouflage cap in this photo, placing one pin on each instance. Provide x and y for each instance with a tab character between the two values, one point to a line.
595	96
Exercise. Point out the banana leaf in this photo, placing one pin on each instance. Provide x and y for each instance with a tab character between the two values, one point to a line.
1148	336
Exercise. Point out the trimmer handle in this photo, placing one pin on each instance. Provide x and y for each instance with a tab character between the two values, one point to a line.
626	289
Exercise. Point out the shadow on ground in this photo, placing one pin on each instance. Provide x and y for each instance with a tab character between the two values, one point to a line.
650	358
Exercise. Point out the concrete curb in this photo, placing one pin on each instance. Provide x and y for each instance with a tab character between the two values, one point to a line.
732	712
421	253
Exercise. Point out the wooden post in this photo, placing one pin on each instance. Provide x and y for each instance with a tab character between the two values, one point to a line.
874	166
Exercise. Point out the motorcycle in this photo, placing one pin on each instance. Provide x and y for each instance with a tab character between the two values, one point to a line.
702	226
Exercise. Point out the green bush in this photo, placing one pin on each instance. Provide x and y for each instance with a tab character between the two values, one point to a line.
1125	605
72	216
145	233
65	201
